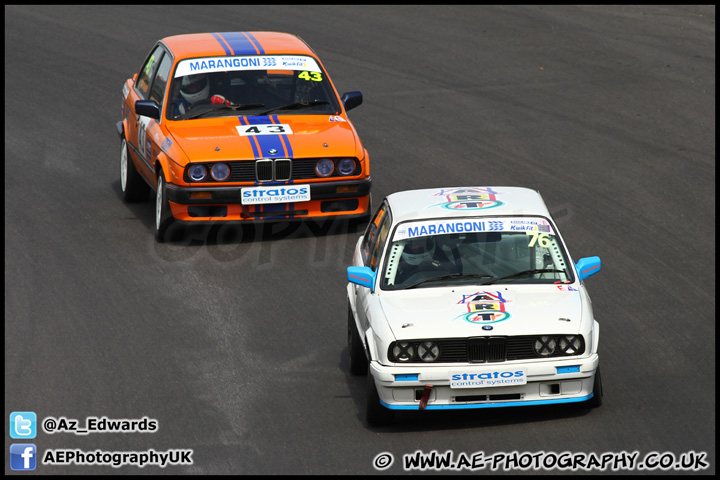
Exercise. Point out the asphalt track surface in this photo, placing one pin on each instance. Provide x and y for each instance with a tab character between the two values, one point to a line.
234	339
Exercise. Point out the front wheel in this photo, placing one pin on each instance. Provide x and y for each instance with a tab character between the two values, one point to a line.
356	351
597	399
163	214
134	188
376	413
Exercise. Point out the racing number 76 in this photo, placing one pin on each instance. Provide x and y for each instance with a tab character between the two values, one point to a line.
542	239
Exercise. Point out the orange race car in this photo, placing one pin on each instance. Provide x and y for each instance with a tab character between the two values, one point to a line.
240	126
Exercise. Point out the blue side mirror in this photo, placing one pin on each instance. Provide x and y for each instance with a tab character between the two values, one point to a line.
363	276
587	266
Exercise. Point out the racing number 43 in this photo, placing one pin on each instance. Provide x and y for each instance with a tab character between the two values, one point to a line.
269	129
310	76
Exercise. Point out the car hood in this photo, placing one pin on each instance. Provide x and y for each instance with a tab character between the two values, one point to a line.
218	139
462	312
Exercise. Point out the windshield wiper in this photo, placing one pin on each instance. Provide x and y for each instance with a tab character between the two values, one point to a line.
524	272
295	106
447	276
203	109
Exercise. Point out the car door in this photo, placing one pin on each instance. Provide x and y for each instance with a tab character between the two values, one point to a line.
371	249
150	132
137	125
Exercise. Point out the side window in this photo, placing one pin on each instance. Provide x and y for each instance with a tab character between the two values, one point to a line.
147	72
375	237
380	245
161	79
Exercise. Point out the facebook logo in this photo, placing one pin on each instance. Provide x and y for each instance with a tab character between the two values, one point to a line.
23	425
23	456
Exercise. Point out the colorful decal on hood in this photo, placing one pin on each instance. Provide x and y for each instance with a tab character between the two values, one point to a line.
468	198
484	308
567	288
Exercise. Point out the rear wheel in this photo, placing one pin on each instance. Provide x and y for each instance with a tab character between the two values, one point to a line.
134	188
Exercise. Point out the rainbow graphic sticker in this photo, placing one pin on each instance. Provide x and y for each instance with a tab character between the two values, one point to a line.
468	198
484	308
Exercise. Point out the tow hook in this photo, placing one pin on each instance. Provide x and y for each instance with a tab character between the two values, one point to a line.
425	396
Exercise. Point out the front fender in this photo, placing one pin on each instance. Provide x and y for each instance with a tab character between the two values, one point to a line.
596	337
371	346
171	170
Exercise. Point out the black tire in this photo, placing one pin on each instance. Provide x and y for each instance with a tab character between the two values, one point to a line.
597	398
134	188
163	214
358	359
376	413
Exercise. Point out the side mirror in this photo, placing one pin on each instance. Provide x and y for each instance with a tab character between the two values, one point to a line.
148	108
351	100
363	276
587	266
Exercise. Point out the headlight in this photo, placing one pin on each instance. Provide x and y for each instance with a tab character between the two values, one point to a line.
197	172
428	351
346	166
570	344
220	171
324	167
403	351
545	346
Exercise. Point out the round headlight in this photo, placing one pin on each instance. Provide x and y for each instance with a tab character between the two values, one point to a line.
324	167
220	171
545	346
346	166
570	345
403	351
428	351
197	173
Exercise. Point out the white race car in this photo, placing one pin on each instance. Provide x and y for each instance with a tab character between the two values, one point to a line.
467	298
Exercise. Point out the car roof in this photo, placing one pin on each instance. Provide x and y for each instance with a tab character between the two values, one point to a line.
194	45
454	202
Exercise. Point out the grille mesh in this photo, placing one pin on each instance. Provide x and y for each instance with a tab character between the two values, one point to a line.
485	349
264	170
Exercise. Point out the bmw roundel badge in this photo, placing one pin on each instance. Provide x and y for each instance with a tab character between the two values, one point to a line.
487	327
272	151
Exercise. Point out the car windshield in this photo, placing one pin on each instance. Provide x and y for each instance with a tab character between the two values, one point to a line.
474	251
250	85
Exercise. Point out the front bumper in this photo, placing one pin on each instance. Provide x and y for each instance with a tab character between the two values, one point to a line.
347	199
548	382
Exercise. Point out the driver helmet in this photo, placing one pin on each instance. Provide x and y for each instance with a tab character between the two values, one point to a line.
417	250
195	88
